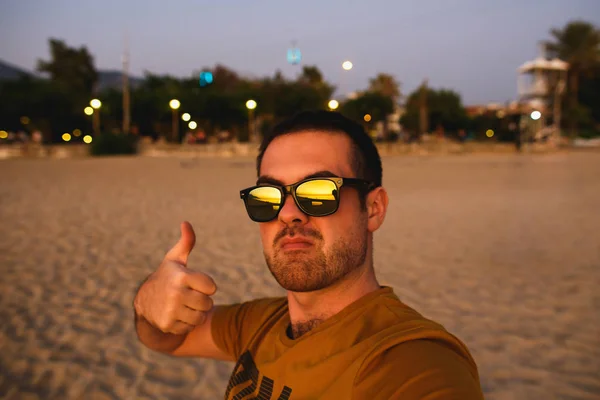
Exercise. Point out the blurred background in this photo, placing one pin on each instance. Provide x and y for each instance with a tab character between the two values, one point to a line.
486	113
202	71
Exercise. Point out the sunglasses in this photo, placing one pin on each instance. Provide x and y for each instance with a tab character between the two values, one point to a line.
317	197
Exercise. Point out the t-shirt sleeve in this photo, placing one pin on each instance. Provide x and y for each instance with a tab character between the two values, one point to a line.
418	369
233	326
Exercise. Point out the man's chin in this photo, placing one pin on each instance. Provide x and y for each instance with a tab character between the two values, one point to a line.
300	284
302	287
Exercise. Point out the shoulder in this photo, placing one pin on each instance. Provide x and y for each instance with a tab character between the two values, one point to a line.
400	323
412	354
417	369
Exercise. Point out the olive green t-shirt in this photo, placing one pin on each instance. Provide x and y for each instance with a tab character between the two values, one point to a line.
375	348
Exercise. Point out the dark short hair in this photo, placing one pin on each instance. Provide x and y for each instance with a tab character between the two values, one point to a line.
365	159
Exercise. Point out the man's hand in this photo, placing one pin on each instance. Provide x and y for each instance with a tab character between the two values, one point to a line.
175	299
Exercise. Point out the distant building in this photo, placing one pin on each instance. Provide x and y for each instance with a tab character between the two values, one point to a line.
500	110
541	83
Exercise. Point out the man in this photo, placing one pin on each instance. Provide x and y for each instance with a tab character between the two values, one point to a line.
337	334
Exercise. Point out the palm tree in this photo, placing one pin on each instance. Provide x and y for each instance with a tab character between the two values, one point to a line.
578	43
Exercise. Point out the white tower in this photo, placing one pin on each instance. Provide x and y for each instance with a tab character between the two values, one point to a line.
541	83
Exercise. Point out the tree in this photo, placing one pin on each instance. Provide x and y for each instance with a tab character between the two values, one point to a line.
385	85
589	96
47	105
375	104
444	108
71	68
311	75
224	79
578	43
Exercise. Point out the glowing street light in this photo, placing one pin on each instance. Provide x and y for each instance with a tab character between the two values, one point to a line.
535	115
87	139
96	104
88	110
367	117
186	117
66	137
251	104
333	104
192	125
175	104
347	65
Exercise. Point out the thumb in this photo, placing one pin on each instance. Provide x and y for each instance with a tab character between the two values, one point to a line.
184	246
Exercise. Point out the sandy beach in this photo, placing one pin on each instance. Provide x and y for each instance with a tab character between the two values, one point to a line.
503	250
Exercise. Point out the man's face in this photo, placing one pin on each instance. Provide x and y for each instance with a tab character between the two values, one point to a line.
333	245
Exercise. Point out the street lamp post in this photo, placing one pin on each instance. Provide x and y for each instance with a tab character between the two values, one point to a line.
251	105
96	104
89	111
175	104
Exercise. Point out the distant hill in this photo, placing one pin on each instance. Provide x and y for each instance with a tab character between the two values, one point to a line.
114	80
8	71
106	79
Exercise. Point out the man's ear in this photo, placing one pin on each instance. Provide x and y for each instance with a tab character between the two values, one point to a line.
377	204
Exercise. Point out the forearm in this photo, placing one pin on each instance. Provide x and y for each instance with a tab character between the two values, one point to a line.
154	338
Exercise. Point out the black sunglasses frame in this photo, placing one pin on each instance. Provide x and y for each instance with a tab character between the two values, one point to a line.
291	190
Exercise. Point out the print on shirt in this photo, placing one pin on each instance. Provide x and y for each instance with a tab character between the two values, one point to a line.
245	371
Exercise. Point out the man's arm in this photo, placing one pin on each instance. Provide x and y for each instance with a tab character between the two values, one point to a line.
197	343
419	369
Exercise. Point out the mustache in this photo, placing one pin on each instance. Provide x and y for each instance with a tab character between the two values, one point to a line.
292	231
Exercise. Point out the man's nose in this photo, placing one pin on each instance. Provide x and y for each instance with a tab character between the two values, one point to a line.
290	213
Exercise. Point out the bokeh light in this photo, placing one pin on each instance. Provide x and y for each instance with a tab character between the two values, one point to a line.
251	104
347	65
88	111
25	120
87	139
174	104
489	133
206	78
77	132
192	125
95	103
535	115
186	117
66	137
3	134
333	104
367	117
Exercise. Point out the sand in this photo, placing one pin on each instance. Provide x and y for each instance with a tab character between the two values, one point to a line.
503	250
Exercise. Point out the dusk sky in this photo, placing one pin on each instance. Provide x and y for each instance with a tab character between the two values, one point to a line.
471	46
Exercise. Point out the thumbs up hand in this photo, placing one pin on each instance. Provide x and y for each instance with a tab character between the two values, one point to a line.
174	298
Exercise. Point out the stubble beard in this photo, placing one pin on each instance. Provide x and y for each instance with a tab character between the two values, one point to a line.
314	269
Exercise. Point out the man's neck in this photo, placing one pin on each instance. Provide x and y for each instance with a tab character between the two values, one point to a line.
308	310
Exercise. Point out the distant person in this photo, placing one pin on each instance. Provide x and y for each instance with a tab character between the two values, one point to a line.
518	141
338	334
37	137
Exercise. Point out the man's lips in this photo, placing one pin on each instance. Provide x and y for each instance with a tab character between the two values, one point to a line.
295	243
